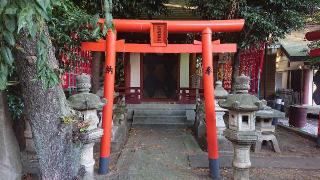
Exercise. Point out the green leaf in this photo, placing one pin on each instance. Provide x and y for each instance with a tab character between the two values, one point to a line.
33	30
42	13
11	10
3	3
43	4
3	76
56	2
24	17
96	31
10	23
9	38
6	55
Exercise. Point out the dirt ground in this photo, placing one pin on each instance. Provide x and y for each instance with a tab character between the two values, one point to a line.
292	144
277	174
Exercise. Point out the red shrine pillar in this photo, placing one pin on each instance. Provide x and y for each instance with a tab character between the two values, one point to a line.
209	103
108	94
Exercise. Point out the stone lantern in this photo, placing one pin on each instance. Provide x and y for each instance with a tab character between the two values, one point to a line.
220	93
88	104
241	125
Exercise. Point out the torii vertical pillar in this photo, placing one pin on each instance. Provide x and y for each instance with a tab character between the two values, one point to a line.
209	103
107	109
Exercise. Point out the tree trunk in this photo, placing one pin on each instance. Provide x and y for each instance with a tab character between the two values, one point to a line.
58	155
235	69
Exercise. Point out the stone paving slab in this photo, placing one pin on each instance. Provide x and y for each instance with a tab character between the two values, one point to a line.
158	154
285	162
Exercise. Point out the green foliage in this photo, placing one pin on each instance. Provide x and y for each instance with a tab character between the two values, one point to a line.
136	8
45	73
69	26
108	14
29	15
83	126
68	119
132	9
265	20
15	104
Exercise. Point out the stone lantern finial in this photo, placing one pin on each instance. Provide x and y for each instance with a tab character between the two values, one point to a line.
220	92
83	83
85	100
242	84
242	100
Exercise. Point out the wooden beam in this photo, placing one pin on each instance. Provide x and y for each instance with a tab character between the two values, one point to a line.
147	48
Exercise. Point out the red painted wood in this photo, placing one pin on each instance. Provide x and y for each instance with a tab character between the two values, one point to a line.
147	48
208	78
109	79
159	34
130	25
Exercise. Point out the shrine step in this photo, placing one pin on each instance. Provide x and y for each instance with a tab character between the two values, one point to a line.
157	112
161	120
160	106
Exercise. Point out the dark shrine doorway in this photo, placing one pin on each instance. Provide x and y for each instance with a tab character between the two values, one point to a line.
160	77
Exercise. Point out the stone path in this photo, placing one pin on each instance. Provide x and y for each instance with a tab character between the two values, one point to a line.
161	153
158	154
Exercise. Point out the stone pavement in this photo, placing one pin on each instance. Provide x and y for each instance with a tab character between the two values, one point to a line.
162	153
158	153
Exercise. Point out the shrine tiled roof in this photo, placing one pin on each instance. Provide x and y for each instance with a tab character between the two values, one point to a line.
295	46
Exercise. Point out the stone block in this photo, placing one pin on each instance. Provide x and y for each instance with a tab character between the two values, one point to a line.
191	114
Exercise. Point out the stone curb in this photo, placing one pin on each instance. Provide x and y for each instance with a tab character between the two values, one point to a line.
282	162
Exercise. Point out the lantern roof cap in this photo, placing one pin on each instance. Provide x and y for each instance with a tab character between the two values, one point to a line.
242	100
85	100
220	92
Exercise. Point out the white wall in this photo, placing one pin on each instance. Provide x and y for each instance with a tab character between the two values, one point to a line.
134	69
184	70
284	79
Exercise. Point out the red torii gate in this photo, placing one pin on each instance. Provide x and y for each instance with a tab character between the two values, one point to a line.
159	44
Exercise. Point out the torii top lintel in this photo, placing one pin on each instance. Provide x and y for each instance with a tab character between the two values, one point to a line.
159	30
130	25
